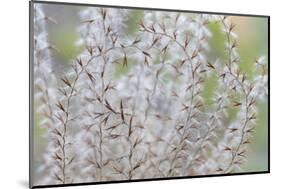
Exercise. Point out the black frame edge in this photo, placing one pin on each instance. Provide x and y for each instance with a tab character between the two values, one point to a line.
149	8
149	180
268	132
30	183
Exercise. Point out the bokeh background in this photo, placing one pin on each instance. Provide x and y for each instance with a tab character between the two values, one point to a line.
252	43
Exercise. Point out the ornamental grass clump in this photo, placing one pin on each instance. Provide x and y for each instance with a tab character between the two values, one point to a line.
131	105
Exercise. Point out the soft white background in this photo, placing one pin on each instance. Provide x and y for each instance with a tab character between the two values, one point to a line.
14	93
